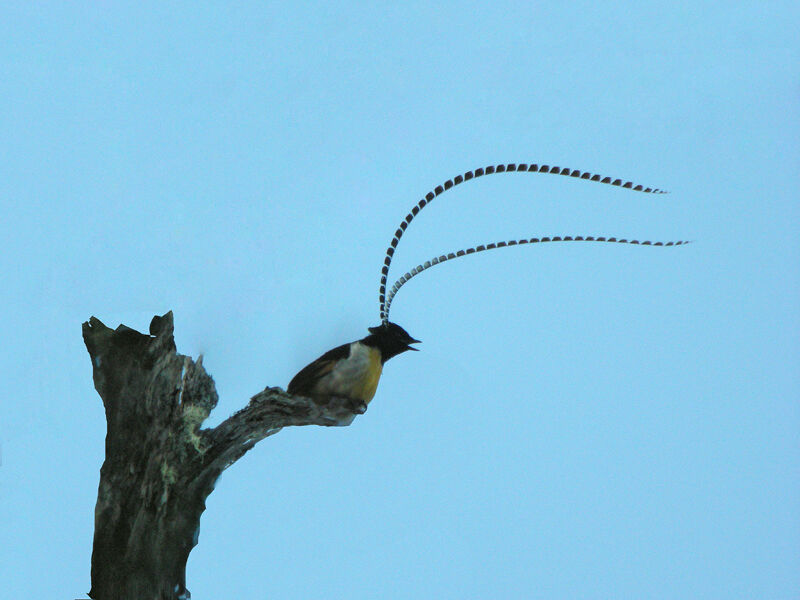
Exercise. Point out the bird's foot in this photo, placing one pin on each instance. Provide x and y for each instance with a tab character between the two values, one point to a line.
359	407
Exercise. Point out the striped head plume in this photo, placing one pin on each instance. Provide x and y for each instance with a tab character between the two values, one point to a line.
386	300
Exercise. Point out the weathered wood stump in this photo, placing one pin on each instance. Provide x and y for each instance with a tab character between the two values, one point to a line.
160	465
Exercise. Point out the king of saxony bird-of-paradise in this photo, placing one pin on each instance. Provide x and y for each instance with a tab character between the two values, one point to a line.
352	371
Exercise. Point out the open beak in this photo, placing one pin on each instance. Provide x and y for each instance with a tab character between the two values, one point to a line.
413	341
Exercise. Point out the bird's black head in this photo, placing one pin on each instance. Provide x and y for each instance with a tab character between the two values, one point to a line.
390	339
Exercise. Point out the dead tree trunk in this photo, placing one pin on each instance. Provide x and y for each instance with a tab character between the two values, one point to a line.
160	466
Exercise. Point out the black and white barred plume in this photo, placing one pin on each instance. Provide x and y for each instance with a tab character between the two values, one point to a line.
493	246
490	170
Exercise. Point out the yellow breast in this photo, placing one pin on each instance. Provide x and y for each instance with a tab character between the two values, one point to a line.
355	377
365	388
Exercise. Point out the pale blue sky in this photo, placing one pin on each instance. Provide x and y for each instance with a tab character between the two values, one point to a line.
584	421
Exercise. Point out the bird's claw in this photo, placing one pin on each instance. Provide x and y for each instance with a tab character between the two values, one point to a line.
359	407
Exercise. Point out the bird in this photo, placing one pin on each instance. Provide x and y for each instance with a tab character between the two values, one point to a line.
352	371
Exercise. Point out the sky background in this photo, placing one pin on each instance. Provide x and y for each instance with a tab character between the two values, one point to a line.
584	421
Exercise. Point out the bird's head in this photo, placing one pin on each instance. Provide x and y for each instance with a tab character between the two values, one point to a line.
391	339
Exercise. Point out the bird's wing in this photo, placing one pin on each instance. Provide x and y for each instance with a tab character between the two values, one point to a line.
304	382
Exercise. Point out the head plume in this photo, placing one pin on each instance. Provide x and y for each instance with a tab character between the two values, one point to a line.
494	245
385	301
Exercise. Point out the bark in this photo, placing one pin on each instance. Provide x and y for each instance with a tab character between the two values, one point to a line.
160	465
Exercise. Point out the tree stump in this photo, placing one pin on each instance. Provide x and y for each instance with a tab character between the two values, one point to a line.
160	465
